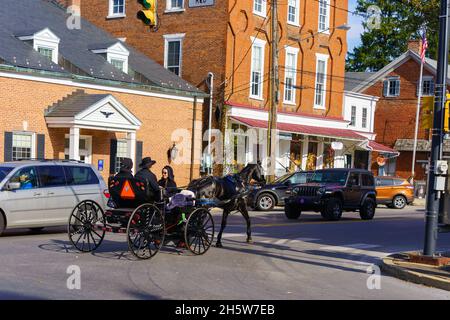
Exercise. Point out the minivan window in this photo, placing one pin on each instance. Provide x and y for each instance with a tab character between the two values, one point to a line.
27	178
80	175
4	171
51	176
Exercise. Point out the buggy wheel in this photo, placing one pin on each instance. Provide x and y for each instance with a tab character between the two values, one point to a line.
146	231
199	231
87	226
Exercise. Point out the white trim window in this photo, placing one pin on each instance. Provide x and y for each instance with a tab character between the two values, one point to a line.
391	87
45	42
116	9
324	16
23	146
260	7
174	5
364	118
353	116
293	12
117	55
290	75
173	53
427	86
321	81
257	69
122	153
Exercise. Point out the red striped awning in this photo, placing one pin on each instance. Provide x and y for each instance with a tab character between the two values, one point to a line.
375	146
303	129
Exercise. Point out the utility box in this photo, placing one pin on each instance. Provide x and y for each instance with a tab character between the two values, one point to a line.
444	204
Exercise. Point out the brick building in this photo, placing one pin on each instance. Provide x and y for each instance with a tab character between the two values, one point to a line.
84	95
231	39
397	85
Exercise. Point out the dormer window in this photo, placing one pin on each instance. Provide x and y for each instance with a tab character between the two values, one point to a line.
45	42
116	54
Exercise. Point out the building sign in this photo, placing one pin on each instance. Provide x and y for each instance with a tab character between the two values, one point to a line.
200	3
100	165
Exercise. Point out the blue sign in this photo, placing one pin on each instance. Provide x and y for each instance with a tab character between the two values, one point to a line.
100	165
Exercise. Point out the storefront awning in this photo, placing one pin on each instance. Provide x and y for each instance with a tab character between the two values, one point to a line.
378	147
303	129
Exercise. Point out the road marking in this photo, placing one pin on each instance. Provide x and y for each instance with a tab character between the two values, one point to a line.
350	247
304	239
281	241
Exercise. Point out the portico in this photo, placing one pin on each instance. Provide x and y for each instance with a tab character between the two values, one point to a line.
81	111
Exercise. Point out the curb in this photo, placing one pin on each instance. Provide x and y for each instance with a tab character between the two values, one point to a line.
390	268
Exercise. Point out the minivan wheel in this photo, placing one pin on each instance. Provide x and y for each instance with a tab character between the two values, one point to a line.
367	210
292	212
265	202
332	209
399	202
2	223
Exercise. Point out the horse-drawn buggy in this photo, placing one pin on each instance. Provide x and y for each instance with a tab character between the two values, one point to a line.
148	220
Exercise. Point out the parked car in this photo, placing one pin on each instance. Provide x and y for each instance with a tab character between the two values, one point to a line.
394	192
273	194
332	191
38	194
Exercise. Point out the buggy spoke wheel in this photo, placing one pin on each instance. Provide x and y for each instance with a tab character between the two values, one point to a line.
145	231
199	231
83	221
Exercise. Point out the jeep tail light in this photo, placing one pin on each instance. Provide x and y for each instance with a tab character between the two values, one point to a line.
106	194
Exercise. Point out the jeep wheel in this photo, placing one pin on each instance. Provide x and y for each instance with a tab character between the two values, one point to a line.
332	209
399	202
2	223
265	202
292	212
367	210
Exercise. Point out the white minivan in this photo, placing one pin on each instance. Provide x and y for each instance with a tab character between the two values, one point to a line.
39	194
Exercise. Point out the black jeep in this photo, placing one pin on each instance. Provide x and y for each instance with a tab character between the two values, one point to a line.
331	191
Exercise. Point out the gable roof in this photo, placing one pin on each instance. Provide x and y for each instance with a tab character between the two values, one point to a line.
430	65
353	79
26	17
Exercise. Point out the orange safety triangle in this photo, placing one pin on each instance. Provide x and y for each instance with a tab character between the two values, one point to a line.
127	192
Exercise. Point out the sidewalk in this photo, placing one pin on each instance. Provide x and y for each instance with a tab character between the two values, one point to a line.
419	202
399	265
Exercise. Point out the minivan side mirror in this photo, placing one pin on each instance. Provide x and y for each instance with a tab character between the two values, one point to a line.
13	186
288	182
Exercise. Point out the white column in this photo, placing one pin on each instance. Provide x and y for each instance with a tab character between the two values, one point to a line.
305	152
320	148
131	147
74	143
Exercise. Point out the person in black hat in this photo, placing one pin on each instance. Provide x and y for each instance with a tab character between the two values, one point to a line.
147	175
125	169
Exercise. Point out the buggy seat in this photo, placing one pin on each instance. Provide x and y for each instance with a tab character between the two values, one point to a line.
130	192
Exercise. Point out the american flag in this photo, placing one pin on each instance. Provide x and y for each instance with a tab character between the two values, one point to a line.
424	46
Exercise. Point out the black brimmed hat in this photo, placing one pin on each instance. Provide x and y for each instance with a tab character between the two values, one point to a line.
147	162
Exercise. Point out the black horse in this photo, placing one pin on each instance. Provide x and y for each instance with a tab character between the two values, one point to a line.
231	192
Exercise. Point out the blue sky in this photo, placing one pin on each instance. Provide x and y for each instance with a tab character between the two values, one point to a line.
353	35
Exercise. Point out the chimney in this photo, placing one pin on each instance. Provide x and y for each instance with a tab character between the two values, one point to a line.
415	45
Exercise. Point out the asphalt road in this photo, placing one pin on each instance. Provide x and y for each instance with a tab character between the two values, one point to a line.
303	259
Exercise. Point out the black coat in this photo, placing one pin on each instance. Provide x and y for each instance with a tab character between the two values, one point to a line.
150	178
124	173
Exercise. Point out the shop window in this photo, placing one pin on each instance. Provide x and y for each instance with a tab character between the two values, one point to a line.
328	156
122	153
311	162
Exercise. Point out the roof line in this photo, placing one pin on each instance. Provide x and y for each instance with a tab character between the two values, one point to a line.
112	83
390	66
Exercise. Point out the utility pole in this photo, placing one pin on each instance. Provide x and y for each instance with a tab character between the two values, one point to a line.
435	171
274	94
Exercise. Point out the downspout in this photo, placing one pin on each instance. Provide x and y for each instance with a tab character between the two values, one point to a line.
191	174
211	92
